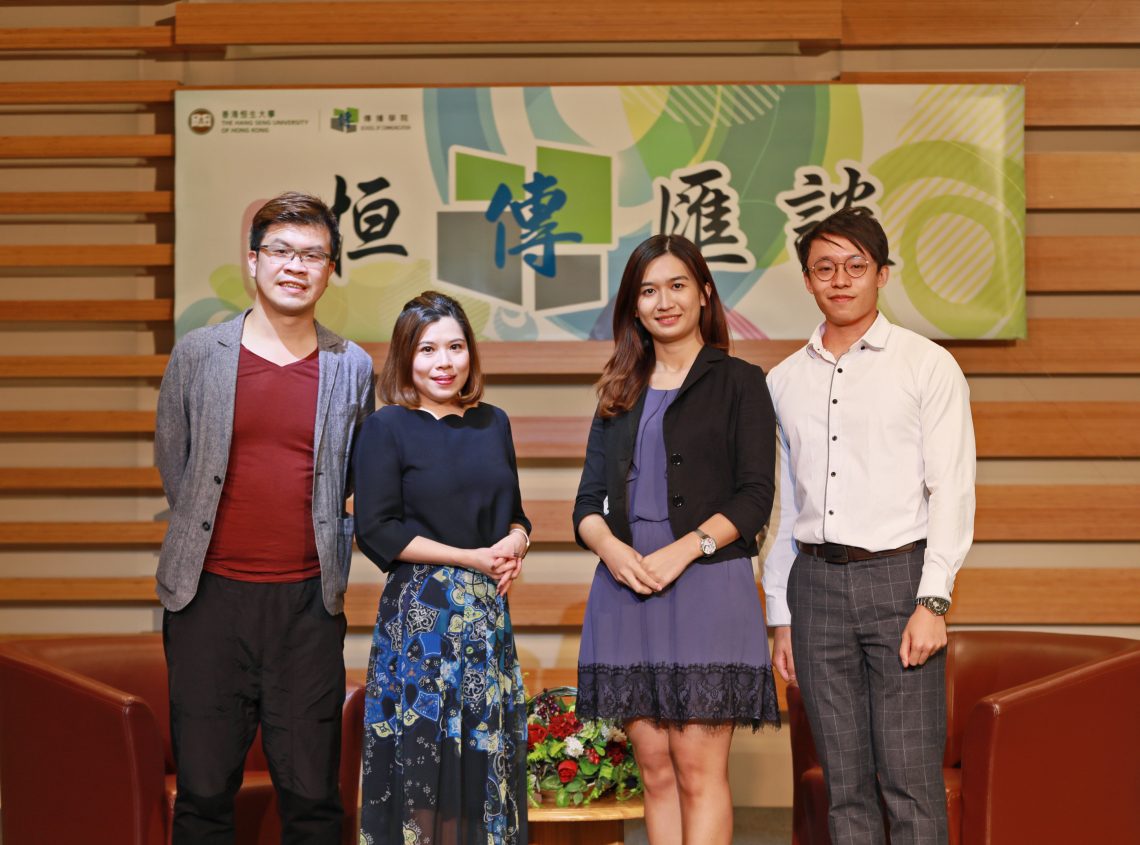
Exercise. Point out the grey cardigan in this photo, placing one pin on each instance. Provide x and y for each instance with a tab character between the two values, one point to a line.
192	448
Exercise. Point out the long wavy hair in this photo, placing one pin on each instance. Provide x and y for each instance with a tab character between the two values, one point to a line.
627	372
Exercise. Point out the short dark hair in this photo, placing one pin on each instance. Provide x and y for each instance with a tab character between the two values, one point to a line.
858	225
297	209
395	385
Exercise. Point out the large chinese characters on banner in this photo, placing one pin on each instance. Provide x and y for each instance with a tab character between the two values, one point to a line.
524	203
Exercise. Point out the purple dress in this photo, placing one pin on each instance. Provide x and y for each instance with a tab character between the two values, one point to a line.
698	651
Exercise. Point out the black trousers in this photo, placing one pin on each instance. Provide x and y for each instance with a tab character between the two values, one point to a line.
242	655
877	726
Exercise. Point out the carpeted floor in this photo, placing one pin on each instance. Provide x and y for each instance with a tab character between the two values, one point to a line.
751	826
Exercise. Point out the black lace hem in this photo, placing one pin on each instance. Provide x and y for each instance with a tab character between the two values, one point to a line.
673	694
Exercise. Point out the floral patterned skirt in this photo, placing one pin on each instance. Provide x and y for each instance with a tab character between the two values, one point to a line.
445	715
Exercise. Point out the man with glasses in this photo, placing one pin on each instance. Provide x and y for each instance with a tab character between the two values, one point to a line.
256	418
876	516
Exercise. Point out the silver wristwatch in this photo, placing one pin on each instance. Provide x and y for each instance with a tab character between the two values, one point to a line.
708	544
936	605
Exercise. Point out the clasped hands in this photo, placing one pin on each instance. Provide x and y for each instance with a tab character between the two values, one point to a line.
644	574
501	562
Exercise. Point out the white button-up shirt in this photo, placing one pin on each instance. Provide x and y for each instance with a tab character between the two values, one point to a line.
876	451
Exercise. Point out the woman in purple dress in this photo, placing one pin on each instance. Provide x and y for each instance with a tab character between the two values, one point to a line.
678	481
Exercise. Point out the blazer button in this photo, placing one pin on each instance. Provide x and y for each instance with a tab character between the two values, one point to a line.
205	526
678	501
675	459
217	479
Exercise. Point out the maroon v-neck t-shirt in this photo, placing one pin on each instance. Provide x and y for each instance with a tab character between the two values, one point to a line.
263	530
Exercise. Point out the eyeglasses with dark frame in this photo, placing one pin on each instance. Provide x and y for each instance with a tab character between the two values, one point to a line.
282	254
825	269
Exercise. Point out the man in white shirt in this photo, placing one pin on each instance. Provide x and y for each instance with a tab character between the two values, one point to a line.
876	516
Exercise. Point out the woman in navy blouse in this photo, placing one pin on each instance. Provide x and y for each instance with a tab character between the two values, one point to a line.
438	509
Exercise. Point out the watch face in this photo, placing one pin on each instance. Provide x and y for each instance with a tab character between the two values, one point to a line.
708	545
937	606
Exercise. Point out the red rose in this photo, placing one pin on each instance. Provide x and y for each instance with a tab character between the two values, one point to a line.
615	752
566	770
564	725
534	735
593	756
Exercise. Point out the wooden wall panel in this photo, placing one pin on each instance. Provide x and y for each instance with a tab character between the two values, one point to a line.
1003	430
982	597
1049	23
504	21
87	38
1065	257
1053	98
87	202
1069	181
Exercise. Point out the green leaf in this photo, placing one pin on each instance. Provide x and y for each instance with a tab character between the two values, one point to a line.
563	799
551	781
587	768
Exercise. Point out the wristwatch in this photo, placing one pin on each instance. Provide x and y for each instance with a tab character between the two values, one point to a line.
708	544
936	605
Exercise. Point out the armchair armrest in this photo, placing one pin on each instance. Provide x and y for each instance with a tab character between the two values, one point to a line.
49	715
1065	739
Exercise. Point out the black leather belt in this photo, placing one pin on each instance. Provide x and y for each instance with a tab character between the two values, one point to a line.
839	553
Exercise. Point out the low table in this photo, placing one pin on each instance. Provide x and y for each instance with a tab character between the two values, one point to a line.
599	823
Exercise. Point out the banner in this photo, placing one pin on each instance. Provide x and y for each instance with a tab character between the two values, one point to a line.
524	203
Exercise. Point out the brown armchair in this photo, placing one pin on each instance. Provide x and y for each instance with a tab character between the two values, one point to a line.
85	750
1041	742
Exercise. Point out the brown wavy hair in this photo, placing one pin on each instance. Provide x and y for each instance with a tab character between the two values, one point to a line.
395	385
627	372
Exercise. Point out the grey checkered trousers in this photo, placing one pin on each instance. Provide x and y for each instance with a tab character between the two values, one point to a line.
869	716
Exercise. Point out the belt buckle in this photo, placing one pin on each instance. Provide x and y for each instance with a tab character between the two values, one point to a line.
835	553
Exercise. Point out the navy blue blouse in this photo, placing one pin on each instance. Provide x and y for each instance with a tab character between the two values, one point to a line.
453	480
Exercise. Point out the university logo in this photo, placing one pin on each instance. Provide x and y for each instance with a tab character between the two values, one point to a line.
345	120
201	121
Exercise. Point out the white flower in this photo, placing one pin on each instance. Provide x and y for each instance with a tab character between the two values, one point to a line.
574	747
615	734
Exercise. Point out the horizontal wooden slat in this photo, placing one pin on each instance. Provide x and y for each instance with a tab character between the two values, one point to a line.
76	422
1057	346
1054	347
1079	264
90	255
79	479
112	91
88	38
982	596
87	535
1057	429
550	438
1057	181
1046	596
87	202
490	21
1003	429
1100	97
1006	513
904	23
82	366
1050	513
86	146
86	311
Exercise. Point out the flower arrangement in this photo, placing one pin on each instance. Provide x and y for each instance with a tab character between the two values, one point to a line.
576	761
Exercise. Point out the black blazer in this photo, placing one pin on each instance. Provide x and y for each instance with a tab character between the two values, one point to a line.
720	448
